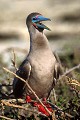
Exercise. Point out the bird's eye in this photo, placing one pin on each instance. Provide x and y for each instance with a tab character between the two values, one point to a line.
34	18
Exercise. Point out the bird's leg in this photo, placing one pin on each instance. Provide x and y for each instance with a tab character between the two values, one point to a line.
44	99
39	106
28	99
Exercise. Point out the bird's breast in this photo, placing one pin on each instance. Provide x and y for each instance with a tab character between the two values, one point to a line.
41	78
42	70
42	65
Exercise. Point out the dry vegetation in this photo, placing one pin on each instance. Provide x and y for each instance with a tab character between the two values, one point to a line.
64	100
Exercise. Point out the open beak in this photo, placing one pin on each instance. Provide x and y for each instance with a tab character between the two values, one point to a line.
39	23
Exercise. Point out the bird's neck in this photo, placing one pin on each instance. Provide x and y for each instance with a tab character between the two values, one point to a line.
38	40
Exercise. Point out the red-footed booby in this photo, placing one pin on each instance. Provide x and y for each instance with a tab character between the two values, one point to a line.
40	68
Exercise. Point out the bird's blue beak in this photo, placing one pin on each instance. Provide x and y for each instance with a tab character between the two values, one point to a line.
39	18
37	21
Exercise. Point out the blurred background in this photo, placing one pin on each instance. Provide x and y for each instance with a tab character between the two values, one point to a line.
65	23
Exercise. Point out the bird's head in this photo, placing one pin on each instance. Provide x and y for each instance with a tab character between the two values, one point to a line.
36	19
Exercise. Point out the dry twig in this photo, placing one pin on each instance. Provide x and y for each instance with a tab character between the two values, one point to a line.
70	70
7	103
59	109
6	118
29	88
71	81
14	61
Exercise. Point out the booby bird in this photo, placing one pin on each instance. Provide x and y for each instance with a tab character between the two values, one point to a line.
40	68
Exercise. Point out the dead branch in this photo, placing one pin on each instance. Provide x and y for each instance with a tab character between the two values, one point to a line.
71	81
5	117
29	88
59	109
70	70
22	101
14	61
7	103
